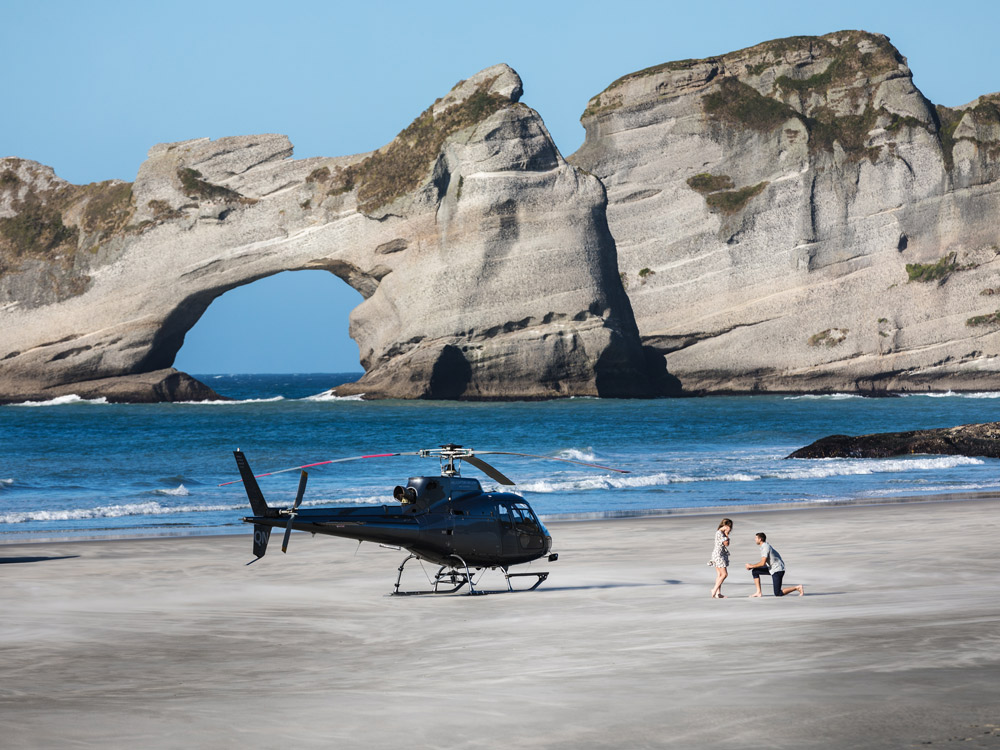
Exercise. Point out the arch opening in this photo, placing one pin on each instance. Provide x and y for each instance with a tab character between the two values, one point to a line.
293	322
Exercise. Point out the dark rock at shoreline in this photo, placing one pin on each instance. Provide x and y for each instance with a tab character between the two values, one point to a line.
964	440
144	388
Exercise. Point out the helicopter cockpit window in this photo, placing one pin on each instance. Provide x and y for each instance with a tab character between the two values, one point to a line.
524	519
503	513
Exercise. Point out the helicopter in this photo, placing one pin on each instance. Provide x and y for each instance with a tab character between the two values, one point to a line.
447	520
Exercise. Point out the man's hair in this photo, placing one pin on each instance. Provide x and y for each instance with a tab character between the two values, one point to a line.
762	536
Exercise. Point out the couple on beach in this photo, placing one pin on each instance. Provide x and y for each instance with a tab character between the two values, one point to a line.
770	563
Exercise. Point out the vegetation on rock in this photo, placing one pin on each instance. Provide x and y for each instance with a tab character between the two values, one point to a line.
54	222
196	187
938	271
984	320
733	201
830	337
710	183
737	103
400	167
35	231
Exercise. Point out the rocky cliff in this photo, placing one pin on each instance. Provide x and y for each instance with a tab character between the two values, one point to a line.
484	259
796	216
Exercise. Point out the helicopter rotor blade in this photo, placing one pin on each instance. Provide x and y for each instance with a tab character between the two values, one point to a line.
488	470
295	507
553	458
322	463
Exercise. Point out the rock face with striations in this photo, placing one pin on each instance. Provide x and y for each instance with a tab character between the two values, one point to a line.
484	259
796	216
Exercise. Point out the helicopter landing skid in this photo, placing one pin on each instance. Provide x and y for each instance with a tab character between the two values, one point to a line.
458	576
453	576
541	579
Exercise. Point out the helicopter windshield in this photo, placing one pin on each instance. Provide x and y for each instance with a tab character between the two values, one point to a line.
524	519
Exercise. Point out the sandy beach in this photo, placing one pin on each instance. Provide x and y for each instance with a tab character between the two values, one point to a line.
164	643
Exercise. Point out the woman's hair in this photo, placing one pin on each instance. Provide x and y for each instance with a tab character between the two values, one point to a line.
725	522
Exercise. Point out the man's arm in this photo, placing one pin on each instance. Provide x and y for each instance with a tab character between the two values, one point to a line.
761	564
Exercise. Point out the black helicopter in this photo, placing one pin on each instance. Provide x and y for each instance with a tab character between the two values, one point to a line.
447	520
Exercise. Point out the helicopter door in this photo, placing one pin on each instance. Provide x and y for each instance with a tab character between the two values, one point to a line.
529	534
508	535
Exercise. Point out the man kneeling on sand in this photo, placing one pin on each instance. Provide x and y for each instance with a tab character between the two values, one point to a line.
770	564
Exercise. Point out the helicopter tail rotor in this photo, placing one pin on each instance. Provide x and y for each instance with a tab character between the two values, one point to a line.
294	510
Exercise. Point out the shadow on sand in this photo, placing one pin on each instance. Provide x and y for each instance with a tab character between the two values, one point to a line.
596	587
9	560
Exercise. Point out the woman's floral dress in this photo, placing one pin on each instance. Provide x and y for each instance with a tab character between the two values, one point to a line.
720	553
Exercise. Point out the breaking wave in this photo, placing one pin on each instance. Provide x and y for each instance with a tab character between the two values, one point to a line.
63	400
572	454
230	402
953	394
181	491
330	395
826	396
151	508
817	469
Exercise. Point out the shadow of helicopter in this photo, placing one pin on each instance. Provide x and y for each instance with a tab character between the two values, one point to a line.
18	560
599	586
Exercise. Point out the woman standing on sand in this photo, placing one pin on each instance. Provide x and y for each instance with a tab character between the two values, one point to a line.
720	556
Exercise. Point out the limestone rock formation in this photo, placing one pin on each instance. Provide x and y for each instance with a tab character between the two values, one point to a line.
484	259
964	440
796	216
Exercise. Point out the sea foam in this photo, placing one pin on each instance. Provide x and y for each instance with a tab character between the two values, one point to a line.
799	470
331	396
63	400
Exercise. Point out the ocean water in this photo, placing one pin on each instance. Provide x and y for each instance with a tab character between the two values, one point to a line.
80	469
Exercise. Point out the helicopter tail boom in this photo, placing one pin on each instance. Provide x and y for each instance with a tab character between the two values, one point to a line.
257	501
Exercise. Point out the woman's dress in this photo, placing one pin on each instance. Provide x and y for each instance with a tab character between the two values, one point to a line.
720	553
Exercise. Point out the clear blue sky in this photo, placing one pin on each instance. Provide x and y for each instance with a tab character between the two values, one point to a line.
89	87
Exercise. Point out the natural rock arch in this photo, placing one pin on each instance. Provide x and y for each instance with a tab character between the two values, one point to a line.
289	322
485	262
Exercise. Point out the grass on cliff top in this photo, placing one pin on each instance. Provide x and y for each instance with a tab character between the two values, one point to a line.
845	63
401	166
738	104
985	114
38	231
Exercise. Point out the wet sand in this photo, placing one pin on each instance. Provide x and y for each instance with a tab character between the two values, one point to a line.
166	643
